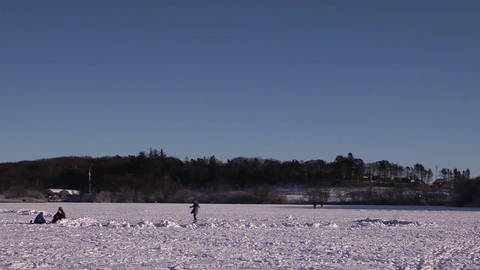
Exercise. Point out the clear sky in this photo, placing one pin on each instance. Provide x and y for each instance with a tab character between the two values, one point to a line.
394	80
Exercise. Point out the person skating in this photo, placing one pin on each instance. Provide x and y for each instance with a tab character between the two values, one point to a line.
195	207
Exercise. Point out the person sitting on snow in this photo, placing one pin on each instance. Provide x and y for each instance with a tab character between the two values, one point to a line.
39	219
59	215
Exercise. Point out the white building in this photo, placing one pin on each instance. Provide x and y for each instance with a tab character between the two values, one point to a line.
58	193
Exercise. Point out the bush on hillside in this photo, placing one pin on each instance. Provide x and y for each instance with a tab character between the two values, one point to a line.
234	197
267	194
15	192
103	197
468	193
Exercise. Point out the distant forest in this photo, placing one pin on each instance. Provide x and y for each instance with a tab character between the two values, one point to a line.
154	173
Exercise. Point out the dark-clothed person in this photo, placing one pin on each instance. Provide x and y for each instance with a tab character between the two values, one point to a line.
195	207
59	215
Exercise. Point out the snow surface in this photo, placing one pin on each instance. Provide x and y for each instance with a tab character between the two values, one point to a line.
162	236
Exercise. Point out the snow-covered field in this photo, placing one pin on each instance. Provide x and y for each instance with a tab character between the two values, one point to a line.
162	236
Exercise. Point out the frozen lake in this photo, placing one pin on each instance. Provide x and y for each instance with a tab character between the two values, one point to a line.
162	236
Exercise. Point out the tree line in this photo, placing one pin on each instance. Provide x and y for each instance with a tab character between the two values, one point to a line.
154	173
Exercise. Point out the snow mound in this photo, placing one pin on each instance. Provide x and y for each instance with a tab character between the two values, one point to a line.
80	222
286	224
332	225
7	211
113	224
27	212
167	224
224	225
116	224
145	224
204	225
381	222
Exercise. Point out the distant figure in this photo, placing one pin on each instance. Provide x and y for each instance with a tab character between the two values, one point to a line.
314	204
59	215
321	204
195	207
39	219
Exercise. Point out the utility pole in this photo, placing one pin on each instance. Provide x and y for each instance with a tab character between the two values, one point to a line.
436	171
90	179
76	168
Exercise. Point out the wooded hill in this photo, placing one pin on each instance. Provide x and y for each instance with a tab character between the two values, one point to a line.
154	174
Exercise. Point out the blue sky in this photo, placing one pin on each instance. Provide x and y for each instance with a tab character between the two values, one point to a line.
395	80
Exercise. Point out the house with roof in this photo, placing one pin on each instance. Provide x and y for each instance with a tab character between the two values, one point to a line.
440	182
57	194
